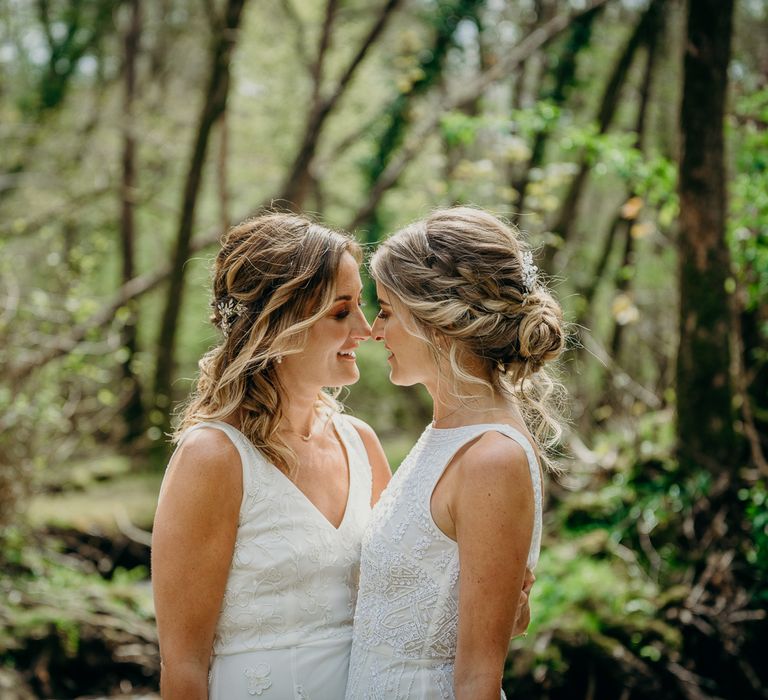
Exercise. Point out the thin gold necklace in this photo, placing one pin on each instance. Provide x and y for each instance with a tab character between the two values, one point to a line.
435	421
309	435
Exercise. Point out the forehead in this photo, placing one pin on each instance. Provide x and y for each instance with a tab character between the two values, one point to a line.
348	274
382	293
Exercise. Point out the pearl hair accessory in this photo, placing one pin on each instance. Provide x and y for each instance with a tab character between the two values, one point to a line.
530	274
229	310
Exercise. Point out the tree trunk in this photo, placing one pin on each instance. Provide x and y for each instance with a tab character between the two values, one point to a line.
564	76
705	417
133	410
623	279
608	106
213	107
222	173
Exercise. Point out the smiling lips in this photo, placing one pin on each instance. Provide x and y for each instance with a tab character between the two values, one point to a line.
347	355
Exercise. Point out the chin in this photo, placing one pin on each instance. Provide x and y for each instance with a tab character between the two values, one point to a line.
347	378
400	381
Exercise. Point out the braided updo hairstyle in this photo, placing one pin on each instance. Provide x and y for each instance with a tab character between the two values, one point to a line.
273	278
463	276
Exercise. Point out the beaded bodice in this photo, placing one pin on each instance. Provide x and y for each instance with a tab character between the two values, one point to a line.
408	599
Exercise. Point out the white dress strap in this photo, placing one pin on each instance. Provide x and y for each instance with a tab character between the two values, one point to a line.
357	457
249	456
466	434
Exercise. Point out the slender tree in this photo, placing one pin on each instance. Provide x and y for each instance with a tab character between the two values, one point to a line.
214	104
625	271
298	179
133	410
71	30
502	68
705	416
396	116
563	77
608	106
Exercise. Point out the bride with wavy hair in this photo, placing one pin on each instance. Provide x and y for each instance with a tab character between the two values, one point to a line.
443	567
256	540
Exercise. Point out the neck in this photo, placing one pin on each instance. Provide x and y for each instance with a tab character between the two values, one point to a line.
450	411
300	411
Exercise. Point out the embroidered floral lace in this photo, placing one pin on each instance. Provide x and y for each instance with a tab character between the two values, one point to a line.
290	596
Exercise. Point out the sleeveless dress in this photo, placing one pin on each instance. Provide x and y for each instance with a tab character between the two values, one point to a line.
285	627
406	621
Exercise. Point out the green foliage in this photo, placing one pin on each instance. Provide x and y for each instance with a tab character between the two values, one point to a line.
459	129
582	588
51	607
641	496
608	577
756	502
66	32
748	213
423	69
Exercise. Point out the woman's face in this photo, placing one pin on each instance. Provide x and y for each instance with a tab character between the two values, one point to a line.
328	358
410	360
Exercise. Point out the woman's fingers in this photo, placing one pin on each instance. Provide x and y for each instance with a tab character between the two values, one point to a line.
528	581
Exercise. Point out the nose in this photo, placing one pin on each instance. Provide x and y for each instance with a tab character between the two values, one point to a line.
377	330
361	330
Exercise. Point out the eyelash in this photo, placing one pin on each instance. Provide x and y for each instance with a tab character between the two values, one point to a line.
383	315
345	311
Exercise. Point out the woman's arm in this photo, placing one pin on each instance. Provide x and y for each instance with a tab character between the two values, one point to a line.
493	510
193	538
380	470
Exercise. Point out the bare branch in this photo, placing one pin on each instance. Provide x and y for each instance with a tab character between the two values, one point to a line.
211	14
301	35
620	376
316	70
21	229
104	316
295	184
366	44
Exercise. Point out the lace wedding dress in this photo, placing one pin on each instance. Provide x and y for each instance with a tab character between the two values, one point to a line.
406	620
285	627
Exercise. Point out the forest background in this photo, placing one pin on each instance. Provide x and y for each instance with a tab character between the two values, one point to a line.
627	138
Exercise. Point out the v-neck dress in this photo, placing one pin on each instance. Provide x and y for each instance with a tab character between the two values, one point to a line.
285	626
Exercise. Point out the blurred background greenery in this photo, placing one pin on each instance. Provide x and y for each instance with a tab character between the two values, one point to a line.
133	133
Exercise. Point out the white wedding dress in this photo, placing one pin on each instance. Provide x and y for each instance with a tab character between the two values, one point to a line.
285	627
406	620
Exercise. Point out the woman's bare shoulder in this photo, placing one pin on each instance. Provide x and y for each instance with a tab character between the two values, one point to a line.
205	455
493	458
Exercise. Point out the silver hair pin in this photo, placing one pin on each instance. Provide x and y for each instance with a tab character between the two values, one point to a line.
530	274
229	310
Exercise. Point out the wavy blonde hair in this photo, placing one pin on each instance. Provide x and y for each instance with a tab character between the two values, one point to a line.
460	274
282	268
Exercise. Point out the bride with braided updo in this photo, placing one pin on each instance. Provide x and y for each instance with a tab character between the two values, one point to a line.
444	560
